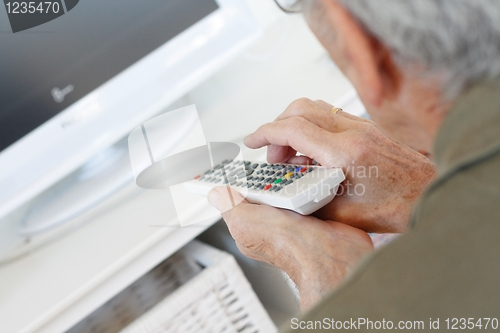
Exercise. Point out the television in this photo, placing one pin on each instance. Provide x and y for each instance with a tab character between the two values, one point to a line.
81	82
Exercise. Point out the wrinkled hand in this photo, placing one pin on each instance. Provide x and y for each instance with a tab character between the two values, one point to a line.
383	178
316	254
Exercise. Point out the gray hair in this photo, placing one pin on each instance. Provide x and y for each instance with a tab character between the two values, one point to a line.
458	39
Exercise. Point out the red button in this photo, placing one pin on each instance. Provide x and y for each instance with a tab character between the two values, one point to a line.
303	170
267	187
197	177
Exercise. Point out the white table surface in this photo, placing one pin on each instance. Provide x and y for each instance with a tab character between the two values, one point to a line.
57	285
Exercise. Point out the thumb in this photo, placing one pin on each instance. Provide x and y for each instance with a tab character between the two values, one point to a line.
225	198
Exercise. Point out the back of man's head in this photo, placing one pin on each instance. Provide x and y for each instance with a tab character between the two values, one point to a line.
459	39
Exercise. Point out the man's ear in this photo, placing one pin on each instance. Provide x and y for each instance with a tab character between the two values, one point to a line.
364	60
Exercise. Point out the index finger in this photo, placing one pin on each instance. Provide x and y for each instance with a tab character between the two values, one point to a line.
304	137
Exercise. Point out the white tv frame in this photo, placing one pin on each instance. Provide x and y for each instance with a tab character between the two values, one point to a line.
111	111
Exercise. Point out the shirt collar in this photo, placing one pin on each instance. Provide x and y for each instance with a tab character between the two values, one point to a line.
471	130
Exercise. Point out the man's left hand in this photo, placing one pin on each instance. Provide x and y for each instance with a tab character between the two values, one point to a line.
316	254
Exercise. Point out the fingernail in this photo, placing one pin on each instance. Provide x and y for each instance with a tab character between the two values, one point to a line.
213	197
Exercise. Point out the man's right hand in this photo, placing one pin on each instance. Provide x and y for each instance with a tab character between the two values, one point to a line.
384	178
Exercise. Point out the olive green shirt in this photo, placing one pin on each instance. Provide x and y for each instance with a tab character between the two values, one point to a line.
448	265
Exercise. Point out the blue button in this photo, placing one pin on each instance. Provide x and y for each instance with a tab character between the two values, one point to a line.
298	169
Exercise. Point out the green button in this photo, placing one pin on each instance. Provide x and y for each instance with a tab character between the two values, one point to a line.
278	181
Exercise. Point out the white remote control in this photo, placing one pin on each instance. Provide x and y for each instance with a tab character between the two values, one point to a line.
300	188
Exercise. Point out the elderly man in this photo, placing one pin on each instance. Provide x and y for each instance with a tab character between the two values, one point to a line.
427	72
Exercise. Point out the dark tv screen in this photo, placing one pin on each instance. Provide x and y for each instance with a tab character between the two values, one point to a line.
45	69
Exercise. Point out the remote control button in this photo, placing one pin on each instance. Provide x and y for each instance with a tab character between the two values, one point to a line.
267	187
247	162
278	181
297	169
270	173
279	174
303	169
263	165
197	177
310	170
255	165
278	188
288	175
249	172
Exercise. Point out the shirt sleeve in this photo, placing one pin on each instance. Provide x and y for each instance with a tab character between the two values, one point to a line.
446	267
